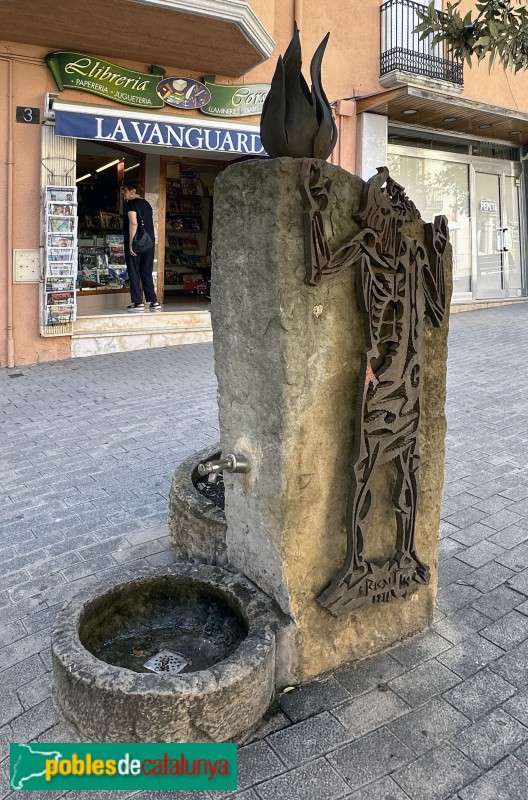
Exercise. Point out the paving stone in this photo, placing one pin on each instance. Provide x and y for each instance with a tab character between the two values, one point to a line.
11	633
143	550
436	774
308	739
516	493
470	655
311	698
419	648
518	707
163	559
447	547
454	486
35	692
257	762
423	683
10	707
138	537
510	537
371	757
498	602
479	694
451	569
368	674
35	588
502	519
522	507
369	711
491	738
429	725
276	722
516	558
462	624
21	650
523	608
33	722
513	666
312	782
487	577
455	596
507	781
520	582
72	544
81	569
461	501
468	516
383	789
49	566
508	631
479	554
447	529
493	504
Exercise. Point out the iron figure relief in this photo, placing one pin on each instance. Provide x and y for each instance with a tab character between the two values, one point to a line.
400	282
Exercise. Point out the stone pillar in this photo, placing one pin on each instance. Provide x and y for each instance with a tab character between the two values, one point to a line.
288	359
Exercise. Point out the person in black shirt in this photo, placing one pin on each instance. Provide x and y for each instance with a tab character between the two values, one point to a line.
139	265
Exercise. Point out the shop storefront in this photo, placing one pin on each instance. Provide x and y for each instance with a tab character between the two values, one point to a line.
111	146
478	186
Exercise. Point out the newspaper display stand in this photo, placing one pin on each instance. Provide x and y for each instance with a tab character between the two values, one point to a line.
59	305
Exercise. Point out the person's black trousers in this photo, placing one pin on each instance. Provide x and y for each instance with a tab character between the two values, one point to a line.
140	269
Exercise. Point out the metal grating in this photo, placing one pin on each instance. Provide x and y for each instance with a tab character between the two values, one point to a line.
166	663
402	49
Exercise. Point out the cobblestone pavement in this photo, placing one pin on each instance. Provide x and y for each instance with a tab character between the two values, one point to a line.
88	448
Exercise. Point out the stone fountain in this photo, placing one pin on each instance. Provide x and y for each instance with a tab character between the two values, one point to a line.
330	300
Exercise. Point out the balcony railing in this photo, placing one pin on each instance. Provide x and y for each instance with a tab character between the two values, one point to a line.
401	49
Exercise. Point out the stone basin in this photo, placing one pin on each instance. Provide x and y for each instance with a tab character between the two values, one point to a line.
197	527
215	619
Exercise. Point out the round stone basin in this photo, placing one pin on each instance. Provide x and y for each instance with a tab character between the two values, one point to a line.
185	654
129	626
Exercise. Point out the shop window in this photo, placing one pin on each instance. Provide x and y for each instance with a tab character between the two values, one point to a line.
441	187
101	171
188	230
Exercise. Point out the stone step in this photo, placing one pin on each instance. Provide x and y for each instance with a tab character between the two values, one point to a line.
118	333
148	320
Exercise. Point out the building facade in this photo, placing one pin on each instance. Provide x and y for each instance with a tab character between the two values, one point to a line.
169	92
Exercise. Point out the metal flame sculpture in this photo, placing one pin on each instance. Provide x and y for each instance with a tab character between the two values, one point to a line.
296	121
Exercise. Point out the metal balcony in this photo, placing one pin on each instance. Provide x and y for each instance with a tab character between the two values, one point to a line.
402	50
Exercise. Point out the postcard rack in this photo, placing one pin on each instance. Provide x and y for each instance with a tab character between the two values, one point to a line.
59	305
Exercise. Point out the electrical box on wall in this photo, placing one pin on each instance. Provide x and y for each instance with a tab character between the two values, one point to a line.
26	266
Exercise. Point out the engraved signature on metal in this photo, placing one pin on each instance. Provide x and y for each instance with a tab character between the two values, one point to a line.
399	283
296	121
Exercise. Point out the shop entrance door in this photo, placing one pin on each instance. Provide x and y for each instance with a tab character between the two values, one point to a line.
497	240
489	235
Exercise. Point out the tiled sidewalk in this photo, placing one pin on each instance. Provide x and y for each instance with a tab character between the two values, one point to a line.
89	447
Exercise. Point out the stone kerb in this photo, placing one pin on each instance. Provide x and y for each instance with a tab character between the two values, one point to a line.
287	359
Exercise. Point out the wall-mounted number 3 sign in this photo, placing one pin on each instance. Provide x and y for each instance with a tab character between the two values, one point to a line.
28	114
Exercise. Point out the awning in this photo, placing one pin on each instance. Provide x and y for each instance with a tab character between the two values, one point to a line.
125	126
446	113
223	37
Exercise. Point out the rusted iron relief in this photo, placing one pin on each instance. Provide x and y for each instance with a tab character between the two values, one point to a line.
399	282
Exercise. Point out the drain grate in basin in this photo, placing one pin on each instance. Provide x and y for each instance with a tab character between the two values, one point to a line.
166	662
